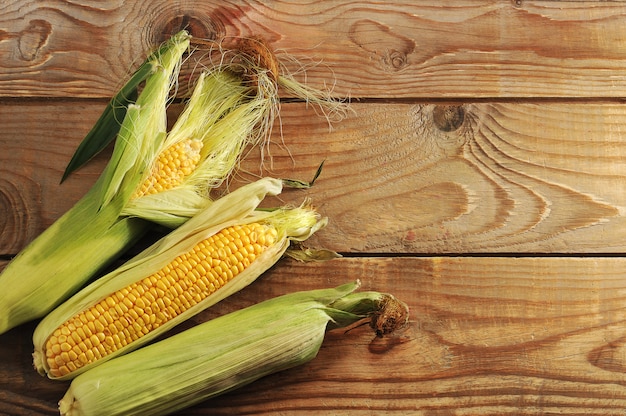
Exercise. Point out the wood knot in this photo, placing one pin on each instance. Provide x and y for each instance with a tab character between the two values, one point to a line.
19	198
448	117
197	28
391	48
397	60
33	39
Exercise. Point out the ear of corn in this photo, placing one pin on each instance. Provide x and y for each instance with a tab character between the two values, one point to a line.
86	238
225	353
213	255
219	121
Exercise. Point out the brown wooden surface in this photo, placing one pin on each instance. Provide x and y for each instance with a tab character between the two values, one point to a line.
481	178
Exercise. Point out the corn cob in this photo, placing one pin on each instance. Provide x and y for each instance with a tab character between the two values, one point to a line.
226	353
213	255
221	118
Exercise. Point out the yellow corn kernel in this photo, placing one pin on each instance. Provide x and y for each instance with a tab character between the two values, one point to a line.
187	280
173	165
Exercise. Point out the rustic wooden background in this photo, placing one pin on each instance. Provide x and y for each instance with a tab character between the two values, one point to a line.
481	178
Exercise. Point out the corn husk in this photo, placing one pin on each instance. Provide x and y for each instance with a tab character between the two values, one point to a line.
236	208
226	353
108	124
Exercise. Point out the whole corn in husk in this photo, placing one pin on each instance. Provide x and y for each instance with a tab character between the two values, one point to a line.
219	251
227	352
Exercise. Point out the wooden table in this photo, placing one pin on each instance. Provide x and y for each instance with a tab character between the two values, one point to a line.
481	179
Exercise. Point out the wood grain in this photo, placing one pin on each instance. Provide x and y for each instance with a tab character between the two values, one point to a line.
37	141
398	178
367	49
486	177
487	335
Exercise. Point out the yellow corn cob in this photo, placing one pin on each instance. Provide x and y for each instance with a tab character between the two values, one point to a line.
227	352
213	255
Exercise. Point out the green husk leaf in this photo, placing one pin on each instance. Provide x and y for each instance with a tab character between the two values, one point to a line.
298	184
63	258
108	124
144	128
310	254
170	208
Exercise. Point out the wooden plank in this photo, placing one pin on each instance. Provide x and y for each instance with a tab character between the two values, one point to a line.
487	335
417	178
484	127
37	141
476	177
371	49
